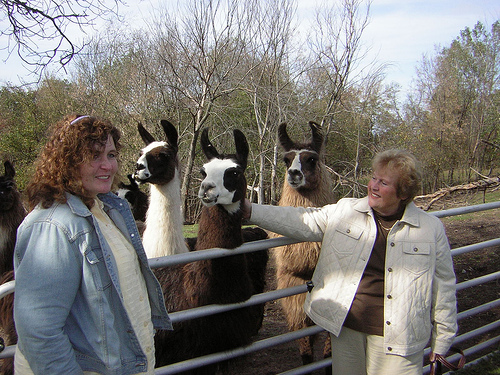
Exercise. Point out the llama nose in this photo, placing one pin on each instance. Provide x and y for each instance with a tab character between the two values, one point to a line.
294	173
206	192
207	186
141	175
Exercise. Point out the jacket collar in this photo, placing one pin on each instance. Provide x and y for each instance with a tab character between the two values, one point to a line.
410	215
78	207
362	205
110	199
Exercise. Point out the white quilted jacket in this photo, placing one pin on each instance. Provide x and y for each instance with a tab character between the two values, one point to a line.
419	283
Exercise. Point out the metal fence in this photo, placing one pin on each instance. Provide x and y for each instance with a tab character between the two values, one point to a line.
175	368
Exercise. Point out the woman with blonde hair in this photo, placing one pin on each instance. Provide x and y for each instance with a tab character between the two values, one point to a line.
86	301
384	282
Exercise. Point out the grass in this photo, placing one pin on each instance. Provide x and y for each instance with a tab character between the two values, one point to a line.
474	199
190	230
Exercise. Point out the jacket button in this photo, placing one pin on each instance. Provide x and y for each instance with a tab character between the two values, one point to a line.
415	249
388	323
389	296
392	244
389	269
389	349
348	231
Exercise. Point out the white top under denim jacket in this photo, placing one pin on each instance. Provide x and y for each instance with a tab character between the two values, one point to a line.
419	276
68	305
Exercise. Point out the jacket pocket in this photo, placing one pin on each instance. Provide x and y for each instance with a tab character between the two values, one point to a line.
345	238
416	257
100	274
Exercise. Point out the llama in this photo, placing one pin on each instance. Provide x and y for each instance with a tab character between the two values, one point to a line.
158	165
306	184
215	281
12	213
137	199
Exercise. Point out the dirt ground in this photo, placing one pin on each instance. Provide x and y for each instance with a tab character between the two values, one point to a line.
482	226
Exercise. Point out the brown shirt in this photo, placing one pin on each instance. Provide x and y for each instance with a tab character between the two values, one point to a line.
367	309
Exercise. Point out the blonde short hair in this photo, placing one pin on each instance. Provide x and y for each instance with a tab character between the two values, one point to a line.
406	166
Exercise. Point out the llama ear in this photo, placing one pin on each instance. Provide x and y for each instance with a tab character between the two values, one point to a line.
145	135
170	132
317	136
9	169
242	148
284	139
208	148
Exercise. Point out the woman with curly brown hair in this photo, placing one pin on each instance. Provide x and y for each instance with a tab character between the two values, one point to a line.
86	301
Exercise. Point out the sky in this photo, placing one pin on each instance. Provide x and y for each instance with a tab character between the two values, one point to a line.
400	32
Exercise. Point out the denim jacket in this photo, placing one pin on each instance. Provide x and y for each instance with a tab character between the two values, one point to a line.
419	280
68	306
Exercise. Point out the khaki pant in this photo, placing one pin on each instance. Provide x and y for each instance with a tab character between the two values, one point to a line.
356	353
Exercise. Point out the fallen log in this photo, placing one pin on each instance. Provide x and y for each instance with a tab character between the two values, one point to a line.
441	193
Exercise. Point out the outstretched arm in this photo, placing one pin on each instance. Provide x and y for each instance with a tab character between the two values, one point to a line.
301	223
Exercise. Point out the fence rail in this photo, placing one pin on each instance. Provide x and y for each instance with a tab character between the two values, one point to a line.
261	245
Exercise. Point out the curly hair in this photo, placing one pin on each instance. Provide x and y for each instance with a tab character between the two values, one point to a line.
72	142
406	166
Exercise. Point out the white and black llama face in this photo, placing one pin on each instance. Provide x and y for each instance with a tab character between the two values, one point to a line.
8	192
224	175
302	159
158	161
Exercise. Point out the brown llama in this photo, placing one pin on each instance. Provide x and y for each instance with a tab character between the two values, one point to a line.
230	279
12	213
308	184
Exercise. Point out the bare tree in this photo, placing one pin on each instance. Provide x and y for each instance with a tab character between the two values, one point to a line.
269	84
39	31
336	46
199	50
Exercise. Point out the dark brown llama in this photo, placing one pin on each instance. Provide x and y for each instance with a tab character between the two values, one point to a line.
137	199
12	213
230	279
308	184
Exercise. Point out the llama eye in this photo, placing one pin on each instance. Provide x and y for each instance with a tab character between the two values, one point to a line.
203	173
